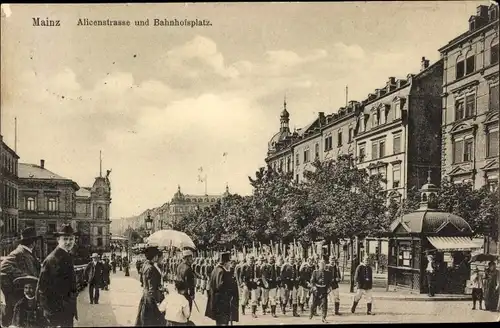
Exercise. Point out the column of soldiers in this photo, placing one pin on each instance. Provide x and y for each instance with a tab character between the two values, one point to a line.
271	283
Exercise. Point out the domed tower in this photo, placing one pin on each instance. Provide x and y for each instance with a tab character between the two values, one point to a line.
100	203
284	130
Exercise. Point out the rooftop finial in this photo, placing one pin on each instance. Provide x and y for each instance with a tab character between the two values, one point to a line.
284	102
429	176
227	187
179	188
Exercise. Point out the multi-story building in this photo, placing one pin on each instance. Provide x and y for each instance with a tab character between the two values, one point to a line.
470	102
397	130
8	199
47	200
325	138
93	214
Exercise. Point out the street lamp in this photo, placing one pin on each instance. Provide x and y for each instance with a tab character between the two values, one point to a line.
149	223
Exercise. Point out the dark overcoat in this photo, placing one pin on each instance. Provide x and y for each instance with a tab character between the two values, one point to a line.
94	273
151	279
57	290
20	262
222	300
27	314
186	274
149	315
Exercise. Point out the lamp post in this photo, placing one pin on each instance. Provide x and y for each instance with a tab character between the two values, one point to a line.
149	224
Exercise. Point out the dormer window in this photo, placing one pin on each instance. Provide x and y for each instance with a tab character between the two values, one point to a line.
472	25
493	14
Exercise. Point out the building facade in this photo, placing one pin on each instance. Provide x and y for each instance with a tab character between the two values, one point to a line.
397	130
9	198
93	214
47	200
470	102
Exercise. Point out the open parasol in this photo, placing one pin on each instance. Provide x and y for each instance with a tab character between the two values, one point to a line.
166	238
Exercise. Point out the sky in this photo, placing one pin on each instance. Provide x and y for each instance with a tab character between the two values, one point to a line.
163	102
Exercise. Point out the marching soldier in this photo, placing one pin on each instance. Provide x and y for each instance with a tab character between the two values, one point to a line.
209	269
249	278
320	281
196	269
258	276
334	295
279	266
364	282
264	284
290	281
270	278
203	267
305	274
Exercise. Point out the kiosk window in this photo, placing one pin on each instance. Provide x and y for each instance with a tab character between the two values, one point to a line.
404	255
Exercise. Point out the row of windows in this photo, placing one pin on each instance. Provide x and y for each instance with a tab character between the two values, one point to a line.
9	163
465	107
9	196
10	226
382	115
395	174
463	148
467	65
379	149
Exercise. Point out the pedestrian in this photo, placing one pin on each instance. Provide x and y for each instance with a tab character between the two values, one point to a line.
106	273
113	263
57	290
126	266
363	278
138	265
491	285
222	302
19	263
27	312
175	307
320	282
431	272
148	313
94	278
477	288
186	274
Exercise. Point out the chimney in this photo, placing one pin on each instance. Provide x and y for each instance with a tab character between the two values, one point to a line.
424	63
42	163
482	11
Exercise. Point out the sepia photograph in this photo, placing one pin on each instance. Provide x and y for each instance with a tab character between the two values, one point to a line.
259	163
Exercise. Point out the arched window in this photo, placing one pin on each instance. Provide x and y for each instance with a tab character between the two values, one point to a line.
99	212
30	204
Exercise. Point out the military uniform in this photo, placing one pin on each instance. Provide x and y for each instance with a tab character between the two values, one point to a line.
334	294
305	274
270	276
363	278
249	278
290	285
320	281
185	274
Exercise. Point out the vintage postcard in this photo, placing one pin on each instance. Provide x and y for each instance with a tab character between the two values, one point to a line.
249	163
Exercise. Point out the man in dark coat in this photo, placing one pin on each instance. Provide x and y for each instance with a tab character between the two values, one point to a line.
94	276
57	290
364	282
106	273
222	302
19	263
186	274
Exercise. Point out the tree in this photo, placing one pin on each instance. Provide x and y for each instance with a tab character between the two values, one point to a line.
488	213
347	201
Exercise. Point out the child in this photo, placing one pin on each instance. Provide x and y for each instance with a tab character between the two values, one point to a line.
477	289
176	307
27	313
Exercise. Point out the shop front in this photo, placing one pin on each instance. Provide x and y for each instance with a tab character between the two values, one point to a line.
430	235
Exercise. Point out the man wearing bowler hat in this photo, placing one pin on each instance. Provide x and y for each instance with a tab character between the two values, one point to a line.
19	263
56	288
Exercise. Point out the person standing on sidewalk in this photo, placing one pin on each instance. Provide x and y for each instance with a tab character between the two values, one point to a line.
148	313
19	263
222	302
431	271
186	274
57	290
106	273
94	275
363	278
477	288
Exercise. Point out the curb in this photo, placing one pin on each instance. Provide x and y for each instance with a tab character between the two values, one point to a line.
415	298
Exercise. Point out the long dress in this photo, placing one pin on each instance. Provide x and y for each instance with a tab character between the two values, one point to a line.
490	290
148	313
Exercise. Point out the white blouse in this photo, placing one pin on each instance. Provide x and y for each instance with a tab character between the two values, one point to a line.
176	308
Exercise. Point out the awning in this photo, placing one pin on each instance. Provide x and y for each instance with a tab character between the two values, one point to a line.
453	243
